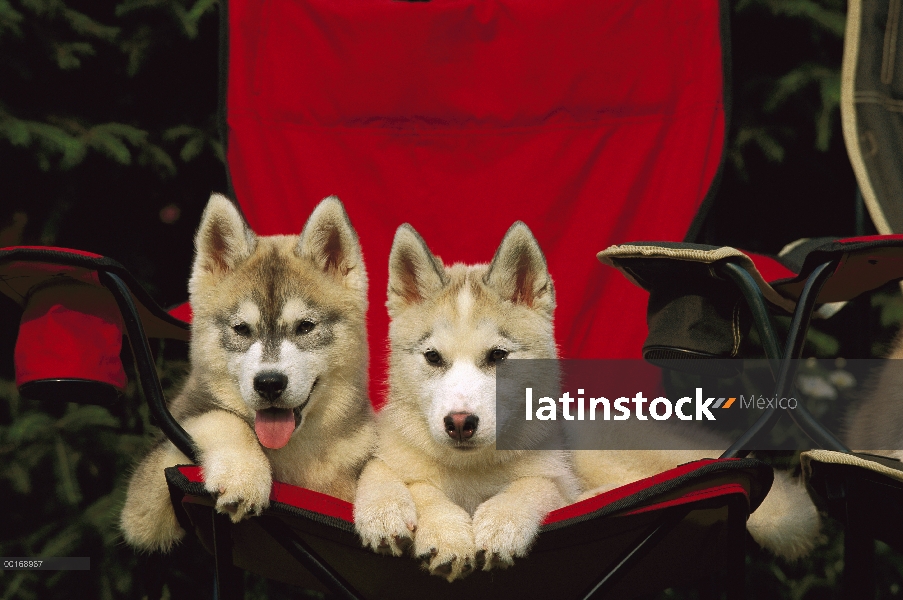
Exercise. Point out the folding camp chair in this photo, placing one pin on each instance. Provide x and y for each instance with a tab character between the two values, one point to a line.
592	122
706	285
864	492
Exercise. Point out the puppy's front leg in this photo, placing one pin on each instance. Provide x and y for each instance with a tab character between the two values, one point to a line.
236	471
384	512
147	520
444	539
505	526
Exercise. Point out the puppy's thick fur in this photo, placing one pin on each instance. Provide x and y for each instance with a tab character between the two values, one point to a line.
459	501
278	380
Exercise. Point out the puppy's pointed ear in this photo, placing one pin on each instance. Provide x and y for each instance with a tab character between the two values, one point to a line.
414	273
223	239
519	273
329	240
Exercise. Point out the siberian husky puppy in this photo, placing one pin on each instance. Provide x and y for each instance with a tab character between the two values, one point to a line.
278	379
438	484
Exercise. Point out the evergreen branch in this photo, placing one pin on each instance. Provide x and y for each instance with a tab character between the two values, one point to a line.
10	19
44	7
133	5
831	20
85	25
135	48
154	156
67	54
67	481
200	8
796	80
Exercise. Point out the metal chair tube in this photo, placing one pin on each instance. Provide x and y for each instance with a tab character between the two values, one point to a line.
762	320
796	338
756	301
147	372
784	374
306	555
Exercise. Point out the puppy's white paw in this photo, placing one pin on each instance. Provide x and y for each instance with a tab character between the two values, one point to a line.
503	531
386	523
444	542
240	484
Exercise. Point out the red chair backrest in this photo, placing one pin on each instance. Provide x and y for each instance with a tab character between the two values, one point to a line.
593	122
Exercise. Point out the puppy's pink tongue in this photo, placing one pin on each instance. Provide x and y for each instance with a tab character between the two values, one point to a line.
274	426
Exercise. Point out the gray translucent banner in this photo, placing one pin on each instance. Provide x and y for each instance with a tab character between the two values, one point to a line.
694	404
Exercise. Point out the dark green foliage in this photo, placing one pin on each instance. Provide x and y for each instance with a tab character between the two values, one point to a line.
786	173
109	143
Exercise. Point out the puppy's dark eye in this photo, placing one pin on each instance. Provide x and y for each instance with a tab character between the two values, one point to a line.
304	327
242	329
433	357
496	355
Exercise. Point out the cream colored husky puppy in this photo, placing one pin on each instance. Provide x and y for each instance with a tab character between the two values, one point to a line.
278	380
437	482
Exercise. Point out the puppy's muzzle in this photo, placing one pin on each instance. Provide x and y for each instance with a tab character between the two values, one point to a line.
461	426
270	385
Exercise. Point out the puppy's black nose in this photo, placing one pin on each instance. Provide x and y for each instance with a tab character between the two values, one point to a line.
270	384
461	426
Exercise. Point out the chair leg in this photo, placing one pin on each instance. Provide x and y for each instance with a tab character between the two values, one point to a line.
304	554
151	574
735	571
229	583
858	560
654	534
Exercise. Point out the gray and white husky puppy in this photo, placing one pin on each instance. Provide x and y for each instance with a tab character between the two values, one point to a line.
278	379
438	483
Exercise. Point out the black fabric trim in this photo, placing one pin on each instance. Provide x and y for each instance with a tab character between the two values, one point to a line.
281	508
873	498
834	251
59	257
796	258
694	232
759	472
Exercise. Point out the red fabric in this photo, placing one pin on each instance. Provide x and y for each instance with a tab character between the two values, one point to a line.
293	496
596	502
192	474
870	238
328	505
716	491
182	312
596	123
769	268
74	332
